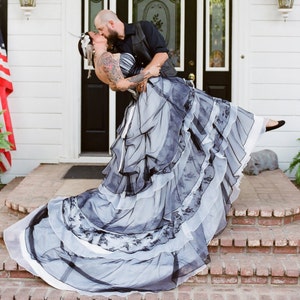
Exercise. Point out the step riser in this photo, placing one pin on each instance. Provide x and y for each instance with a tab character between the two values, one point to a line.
197	279
235	280
259	249
16	274
262	221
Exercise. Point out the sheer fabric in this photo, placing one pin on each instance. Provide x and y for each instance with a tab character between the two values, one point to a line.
174	173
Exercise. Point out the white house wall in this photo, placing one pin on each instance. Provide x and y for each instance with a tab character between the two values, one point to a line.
274	74
45	70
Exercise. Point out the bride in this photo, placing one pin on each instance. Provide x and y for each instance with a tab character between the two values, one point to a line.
175	171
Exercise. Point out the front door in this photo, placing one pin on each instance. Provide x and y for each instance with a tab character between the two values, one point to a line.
177	21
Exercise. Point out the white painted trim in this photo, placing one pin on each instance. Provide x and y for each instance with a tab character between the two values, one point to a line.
112	102
240	53
130	11
72	80
199	45
112	5
182	36
88	160
112	117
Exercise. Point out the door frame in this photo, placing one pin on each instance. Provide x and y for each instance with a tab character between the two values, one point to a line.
71	128
240	53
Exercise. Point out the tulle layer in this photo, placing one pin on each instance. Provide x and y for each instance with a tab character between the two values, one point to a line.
174	173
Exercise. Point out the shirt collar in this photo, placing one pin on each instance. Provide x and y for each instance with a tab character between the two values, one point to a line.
129	29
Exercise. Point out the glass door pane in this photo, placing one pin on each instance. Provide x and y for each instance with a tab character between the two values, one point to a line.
217	34
168	17
91	8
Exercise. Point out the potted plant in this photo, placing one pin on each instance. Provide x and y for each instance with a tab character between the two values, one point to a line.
295	164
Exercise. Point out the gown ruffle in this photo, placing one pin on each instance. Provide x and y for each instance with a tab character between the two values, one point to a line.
174	173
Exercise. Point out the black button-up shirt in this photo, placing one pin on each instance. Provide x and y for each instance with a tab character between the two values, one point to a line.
154	38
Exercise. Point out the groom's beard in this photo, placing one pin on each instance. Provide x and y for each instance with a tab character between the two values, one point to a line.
112	39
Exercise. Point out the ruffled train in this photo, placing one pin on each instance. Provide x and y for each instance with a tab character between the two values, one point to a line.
174	173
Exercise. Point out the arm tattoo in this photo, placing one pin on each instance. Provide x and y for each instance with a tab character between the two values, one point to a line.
114	73
138	78
110	67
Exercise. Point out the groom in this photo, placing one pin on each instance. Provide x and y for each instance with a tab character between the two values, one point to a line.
141	39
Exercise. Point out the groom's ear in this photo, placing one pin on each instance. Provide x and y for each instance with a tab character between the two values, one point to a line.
111	23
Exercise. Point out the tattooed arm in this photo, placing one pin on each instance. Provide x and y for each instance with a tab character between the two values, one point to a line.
111	68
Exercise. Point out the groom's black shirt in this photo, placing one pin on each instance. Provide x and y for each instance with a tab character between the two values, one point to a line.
155	40
143	41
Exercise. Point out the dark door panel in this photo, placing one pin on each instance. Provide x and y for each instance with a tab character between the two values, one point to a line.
94	116
218	85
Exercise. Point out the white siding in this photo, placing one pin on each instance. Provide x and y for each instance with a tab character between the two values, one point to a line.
274	74
45	69
36	53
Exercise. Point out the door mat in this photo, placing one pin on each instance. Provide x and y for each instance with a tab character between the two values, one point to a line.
85	172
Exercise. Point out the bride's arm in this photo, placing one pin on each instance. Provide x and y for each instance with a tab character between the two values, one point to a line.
114	74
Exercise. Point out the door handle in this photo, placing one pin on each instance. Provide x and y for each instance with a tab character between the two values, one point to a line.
191	77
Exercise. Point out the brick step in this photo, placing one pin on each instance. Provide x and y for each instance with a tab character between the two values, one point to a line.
259	268
267	199
8	217
230	268
258	239
35	289
279	216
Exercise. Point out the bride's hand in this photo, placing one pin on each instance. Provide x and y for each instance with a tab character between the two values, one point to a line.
151	71
154	71
142	87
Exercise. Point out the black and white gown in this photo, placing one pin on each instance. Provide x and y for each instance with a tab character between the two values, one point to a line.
174	173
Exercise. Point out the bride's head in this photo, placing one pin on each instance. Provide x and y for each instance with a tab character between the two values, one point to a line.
91	43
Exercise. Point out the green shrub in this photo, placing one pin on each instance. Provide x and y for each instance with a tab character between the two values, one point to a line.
295	164
4	143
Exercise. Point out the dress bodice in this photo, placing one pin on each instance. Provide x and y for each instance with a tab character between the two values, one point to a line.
128	65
